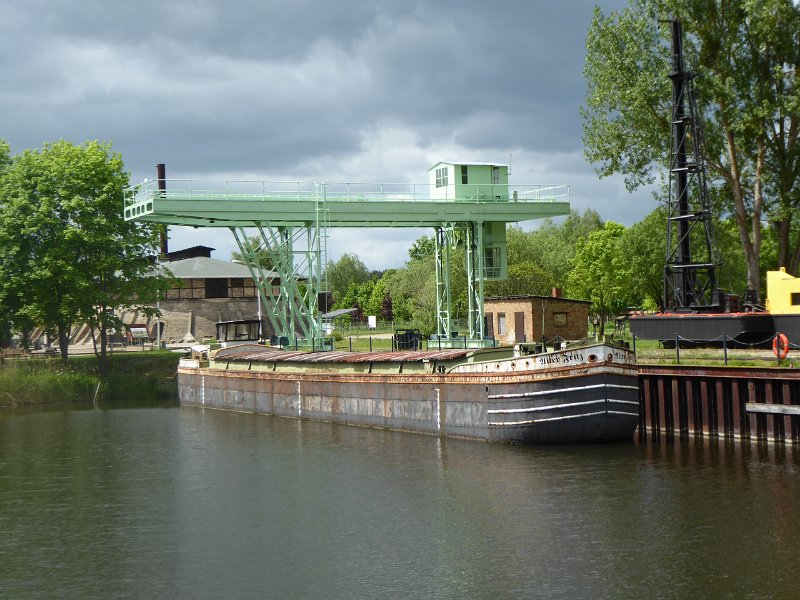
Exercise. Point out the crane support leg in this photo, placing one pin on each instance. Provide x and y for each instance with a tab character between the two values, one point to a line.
444	242
289	305
475	276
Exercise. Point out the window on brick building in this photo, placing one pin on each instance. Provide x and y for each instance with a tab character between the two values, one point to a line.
216	288
237	287
501	323
560	319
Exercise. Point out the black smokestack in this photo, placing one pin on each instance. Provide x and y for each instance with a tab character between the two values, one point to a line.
162	187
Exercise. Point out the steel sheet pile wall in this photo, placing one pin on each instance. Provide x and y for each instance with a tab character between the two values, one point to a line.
749	404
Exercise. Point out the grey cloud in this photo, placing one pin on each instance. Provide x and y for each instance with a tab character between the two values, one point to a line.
212	86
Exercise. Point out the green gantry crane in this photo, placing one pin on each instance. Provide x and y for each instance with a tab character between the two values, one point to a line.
467	204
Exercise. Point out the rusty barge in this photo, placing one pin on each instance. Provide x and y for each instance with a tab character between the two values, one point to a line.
574	395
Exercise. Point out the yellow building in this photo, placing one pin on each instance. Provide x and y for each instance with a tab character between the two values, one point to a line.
783	293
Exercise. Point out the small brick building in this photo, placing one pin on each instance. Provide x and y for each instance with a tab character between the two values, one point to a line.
513	319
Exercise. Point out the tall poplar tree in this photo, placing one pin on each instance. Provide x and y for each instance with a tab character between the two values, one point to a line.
7	306
746	54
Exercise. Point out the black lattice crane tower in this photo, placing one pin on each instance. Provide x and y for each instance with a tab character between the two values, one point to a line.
690	278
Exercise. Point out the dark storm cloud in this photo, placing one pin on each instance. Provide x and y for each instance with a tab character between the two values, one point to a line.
235	84
279	89
253	29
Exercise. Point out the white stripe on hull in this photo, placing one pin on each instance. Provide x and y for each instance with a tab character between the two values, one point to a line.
562	391
561	418
508	411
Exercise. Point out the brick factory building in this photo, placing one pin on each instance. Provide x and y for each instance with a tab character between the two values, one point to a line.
514	319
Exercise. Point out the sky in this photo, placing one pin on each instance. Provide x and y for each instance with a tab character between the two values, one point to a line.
311	90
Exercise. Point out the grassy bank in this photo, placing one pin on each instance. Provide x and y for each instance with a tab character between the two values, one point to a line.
715	357
133	376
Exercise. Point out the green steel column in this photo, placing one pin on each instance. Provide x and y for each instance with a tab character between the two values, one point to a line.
318	258
249	254
290	312
301	322
443	240
481	325
289	289
469	257
279	252
474	256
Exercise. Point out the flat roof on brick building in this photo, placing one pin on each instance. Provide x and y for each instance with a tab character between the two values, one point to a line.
532	297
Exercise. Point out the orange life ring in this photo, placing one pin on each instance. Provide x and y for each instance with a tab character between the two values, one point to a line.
780	346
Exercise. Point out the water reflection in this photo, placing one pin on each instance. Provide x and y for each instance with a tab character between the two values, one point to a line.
186	503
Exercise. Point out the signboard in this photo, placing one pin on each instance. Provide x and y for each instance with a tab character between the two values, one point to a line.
372	321
139	332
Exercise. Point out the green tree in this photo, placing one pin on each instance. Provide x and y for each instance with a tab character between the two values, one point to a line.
341	274
554	244
5	155
7	304
8	300
746	53
393	281
524	278
601	272
66	254
377	295
422	247
732	275
542	258
358	296
413	293
644	246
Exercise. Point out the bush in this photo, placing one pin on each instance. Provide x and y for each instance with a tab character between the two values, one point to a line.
146	375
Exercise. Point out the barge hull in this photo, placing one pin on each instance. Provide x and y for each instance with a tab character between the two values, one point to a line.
572	405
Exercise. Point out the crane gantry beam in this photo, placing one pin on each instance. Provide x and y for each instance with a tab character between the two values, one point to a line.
286	213
243	204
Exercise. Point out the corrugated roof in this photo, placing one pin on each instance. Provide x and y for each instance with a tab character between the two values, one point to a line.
533	297
201	267
338	313
255	353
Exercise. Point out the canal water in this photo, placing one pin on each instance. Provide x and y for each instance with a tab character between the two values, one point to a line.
168	502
